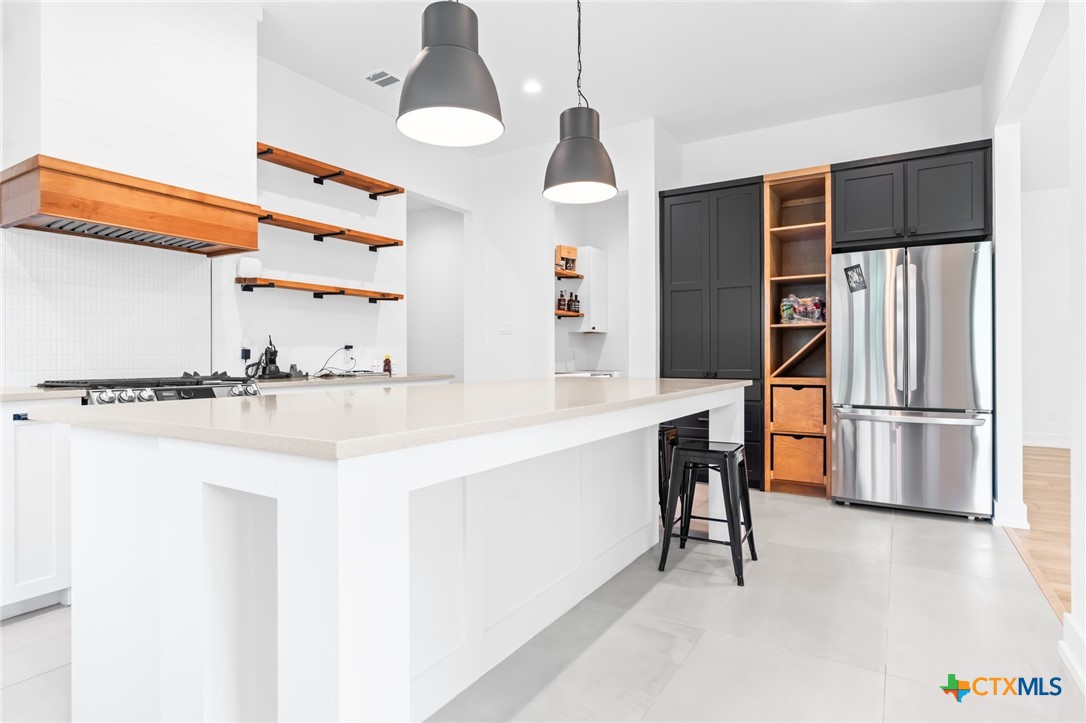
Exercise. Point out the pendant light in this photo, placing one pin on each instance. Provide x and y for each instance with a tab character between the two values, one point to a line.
580	171
448	96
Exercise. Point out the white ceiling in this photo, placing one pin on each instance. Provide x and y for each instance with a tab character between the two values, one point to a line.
703	69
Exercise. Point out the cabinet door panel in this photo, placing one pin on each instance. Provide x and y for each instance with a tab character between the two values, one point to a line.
34	499
685	264
868	204
735	283
948	194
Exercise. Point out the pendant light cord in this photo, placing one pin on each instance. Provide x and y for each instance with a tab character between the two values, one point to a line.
580	95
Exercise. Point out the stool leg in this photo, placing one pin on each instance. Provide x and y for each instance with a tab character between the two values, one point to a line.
673	488
690	476
744	497
729	478
661	482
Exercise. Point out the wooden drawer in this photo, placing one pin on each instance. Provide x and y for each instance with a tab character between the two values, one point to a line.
798	409
799	459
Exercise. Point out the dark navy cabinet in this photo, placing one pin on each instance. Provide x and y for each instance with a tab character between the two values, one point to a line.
711	306
933	196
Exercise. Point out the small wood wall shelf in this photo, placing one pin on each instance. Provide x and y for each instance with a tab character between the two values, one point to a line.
319	291
50	194
321	171
563	274
560	313
322	231
797	261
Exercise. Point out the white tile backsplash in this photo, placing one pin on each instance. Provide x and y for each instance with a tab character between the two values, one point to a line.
72	307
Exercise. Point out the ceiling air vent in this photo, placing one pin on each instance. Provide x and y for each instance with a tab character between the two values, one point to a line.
382	78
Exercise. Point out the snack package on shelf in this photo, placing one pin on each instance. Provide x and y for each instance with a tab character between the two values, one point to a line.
806	310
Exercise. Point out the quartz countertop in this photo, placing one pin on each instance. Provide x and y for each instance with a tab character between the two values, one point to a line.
357	379
342	423
33	394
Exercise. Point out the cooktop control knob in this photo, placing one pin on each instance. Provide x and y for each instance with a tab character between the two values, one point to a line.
126	396
146	395
237	391
251	390
106	397
185	394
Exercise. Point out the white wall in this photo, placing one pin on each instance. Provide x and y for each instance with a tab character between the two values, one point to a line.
435	286
934	120
303	116
516	231
1047	299
1073	645
606	227
165	91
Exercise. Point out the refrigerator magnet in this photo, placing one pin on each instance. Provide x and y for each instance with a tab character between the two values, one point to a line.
855	276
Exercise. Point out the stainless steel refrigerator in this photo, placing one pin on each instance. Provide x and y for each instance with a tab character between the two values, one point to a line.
912	377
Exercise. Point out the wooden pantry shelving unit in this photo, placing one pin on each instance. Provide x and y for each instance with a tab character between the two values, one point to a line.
797	364
321	171
322	231
319	291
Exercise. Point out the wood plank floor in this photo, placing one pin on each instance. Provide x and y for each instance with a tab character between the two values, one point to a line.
1046	546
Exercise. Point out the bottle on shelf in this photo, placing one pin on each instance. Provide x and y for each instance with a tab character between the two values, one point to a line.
562	300
576	303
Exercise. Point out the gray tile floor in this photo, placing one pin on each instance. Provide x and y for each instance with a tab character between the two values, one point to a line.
849	614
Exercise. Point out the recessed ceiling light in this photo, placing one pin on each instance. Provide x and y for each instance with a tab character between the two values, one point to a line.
532	86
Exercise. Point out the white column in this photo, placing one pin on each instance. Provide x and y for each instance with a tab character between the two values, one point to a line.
1073	646
374	593
1010	510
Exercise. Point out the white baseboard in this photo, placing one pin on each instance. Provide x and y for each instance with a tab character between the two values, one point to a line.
1073	649
1011	514
1062	441
61	597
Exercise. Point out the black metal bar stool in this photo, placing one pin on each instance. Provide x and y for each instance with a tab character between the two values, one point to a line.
725	458
668	439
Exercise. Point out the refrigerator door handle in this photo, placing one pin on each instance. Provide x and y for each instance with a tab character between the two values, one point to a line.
912	323
904	419
899	330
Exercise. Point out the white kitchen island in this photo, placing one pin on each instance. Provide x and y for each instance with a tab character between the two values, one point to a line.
360	554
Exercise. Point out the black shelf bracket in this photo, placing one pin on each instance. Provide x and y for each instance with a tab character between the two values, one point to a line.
321	179
250	287
374	301
376	196
265	152
322	294
322	236
265	217
374	249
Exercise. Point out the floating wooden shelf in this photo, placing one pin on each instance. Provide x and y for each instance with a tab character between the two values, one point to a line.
797	278
322	231
810	325
319	291
322	171
559	313
563	274
800	232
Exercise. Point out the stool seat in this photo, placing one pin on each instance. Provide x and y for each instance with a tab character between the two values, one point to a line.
710	451
724	458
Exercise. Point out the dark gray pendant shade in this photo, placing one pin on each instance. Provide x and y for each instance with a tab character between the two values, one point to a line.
448	96
580	171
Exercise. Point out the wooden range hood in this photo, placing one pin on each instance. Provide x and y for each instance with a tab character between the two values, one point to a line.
49	194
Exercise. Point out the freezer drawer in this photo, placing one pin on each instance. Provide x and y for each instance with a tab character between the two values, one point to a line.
923	460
